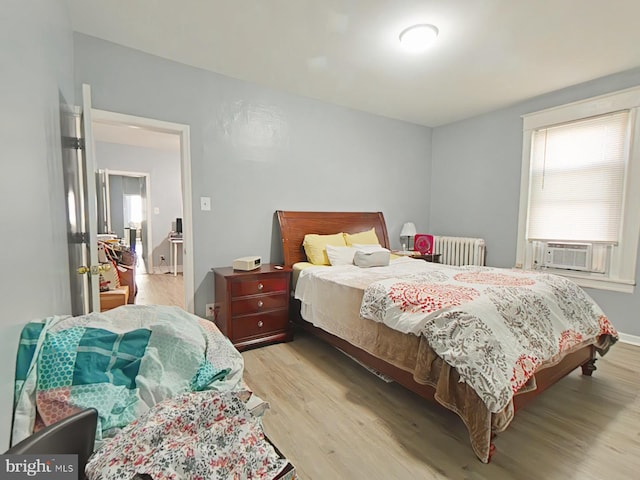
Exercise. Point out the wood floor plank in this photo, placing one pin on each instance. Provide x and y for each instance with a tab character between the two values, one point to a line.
335	420
160	289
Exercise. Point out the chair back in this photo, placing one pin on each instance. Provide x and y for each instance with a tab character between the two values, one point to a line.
75	434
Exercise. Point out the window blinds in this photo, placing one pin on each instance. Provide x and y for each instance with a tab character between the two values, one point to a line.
577	180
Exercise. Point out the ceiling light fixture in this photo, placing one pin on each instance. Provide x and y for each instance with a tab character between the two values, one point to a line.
417	38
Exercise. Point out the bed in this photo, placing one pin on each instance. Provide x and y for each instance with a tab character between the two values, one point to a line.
168	387
410	359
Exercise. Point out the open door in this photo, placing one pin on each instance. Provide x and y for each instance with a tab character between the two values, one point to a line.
80	192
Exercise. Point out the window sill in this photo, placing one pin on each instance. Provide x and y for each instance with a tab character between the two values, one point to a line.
599	283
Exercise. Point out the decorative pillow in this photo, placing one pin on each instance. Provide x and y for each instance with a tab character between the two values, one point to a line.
378	258
315	246
367	237
375	248
340	255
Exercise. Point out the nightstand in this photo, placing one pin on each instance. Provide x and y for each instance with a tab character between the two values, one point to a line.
428	257
254	305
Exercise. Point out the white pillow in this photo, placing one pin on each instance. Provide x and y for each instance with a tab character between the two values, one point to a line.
340	255
369	247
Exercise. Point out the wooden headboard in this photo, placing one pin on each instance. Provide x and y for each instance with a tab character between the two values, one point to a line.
295	225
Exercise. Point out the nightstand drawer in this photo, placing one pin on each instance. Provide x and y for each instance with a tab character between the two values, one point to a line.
240	288
258	325
258	303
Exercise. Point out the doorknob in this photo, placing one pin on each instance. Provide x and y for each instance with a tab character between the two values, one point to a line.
93	269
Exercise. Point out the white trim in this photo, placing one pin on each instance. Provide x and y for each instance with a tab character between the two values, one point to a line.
126	173
185	169
91	213
521	245
590	107
187	211
107	199
630	339
604	284
149	215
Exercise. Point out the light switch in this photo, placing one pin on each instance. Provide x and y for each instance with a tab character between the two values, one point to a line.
205	203
156	210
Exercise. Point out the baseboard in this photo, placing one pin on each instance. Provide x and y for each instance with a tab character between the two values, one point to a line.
630	339
165	270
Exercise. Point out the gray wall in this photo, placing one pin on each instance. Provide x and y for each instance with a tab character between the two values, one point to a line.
255	150
116	203
36	67
163	167
475	183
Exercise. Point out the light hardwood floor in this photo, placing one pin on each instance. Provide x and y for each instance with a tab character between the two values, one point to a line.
160	289
335	420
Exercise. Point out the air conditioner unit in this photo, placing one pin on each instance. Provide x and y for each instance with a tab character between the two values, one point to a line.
568	256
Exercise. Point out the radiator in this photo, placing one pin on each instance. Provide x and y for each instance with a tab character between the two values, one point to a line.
459	250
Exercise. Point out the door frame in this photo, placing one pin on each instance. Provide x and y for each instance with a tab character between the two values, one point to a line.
183	131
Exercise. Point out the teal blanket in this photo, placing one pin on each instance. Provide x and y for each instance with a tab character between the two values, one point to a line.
121	362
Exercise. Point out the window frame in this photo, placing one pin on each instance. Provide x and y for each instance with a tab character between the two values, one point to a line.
623	260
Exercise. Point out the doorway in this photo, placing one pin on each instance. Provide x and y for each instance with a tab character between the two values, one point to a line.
149	161
123	210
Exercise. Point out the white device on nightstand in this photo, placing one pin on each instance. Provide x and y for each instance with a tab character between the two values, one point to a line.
247	263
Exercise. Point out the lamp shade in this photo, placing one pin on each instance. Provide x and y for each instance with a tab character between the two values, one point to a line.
408	230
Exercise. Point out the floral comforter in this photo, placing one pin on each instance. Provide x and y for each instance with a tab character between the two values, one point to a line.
208	435
494	326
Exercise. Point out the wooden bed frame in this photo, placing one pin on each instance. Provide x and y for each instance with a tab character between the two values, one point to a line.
295	225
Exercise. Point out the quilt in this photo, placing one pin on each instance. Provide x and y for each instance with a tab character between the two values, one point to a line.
494	326
121	362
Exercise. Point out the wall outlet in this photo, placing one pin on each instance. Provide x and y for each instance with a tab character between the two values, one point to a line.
162	259
210	310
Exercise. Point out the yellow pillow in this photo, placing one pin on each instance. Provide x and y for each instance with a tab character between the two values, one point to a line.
368	237
315	246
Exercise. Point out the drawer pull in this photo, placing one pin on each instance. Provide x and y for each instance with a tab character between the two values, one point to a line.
260	323
260	286
260	303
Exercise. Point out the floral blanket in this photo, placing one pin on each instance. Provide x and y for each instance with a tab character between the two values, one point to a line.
121	362
208	435
494	326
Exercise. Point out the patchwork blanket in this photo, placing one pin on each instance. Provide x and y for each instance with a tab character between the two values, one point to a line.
494	326
121	362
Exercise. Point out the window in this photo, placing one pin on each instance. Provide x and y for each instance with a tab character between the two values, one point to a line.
132	211
580	191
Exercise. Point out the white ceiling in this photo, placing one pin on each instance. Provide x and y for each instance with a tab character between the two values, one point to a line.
490	53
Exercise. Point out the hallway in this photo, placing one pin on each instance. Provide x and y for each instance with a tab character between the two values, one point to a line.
159	288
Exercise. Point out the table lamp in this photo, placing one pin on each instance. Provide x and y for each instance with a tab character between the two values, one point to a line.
408	230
